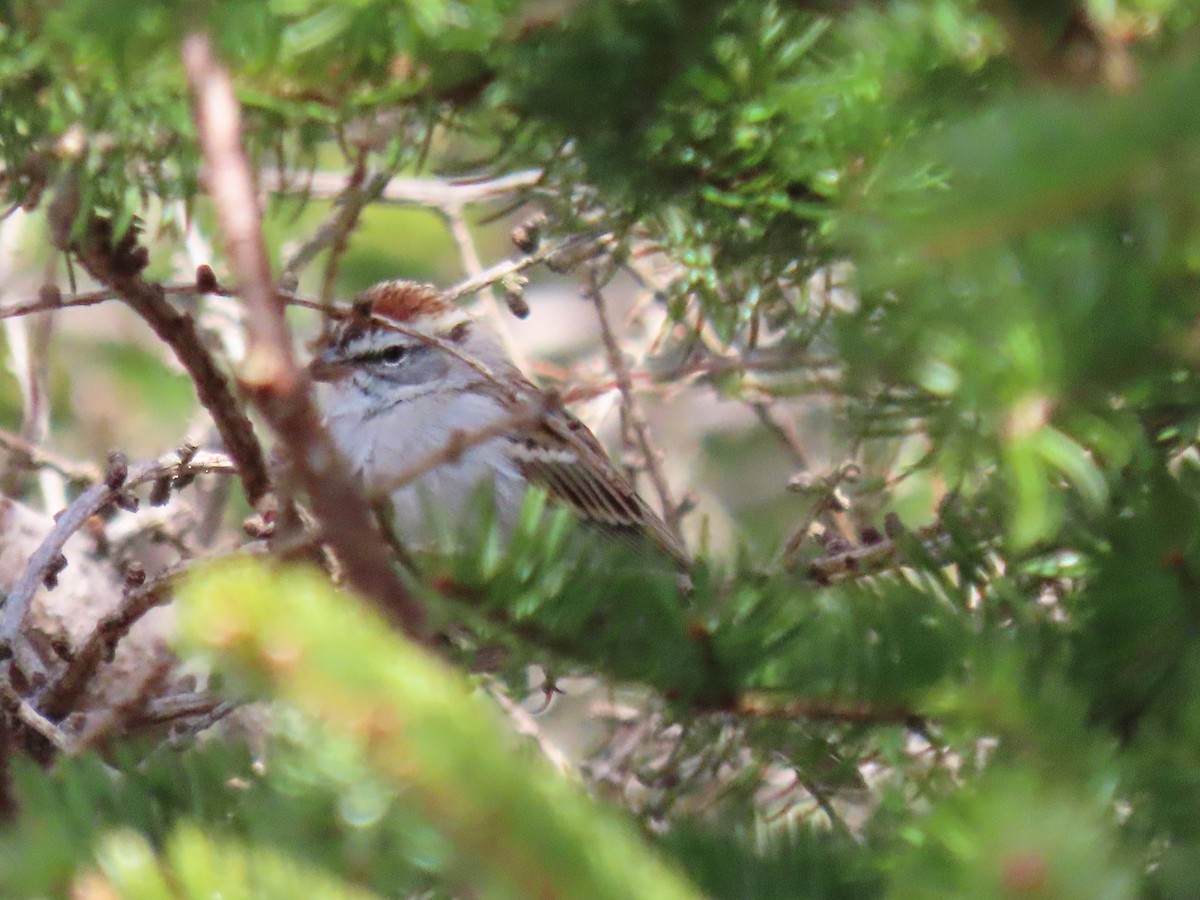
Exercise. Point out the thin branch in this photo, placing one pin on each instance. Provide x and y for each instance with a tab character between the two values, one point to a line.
277	384
526	725
29	362
785	430
351	200
497	273
24	712
438	193
46	559
124	714
456	222
875	557
160	710
184	734
52	300
62	697
28	454
637	416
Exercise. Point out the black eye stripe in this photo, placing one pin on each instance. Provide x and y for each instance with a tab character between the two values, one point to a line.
393	354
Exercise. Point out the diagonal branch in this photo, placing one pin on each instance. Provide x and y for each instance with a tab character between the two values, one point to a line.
178	331
277	384
637	416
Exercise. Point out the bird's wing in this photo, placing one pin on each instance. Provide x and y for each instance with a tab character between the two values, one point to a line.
563	456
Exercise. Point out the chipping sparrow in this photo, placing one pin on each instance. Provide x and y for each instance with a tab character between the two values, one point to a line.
409	374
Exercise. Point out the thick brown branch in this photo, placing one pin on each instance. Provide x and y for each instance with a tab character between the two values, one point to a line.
178	331
278	385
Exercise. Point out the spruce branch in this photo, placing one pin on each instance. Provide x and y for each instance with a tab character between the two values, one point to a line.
422	729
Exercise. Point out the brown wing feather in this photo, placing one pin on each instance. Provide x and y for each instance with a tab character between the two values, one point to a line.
563	456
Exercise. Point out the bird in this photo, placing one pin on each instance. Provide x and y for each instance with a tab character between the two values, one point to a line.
428	409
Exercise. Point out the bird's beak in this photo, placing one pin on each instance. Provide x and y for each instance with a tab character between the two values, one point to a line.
327	367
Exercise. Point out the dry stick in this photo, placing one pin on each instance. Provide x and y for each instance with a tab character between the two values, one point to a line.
158	710
786	431
456	222
500	271
350	202
123	713
45	559
52	300
767	706
29	362
435	192
526	725
200	722
14	703
277	384
38	457
33	337
637	416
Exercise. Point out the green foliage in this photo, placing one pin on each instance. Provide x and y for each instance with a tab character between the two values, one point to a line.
515	824
1012	227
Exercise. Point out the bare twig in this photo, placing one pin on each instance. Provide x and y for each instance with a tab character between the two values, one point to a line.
456	222
24	712
29	454
279	387
349	204
869	558
500	271
784	429
185	733
767	706
159	710
52	300
433	192
526	725
29	362
45	559
637	416
128	711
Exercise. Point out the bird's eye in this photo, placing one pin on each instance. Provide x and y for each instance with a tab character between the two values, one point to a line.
393	356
